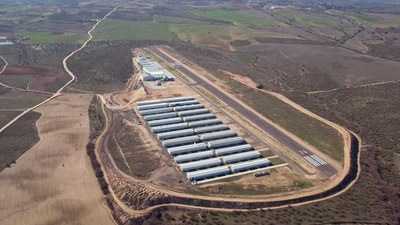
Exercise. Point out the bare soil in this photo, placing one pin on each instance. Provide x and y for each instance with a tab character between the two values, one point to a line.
53	182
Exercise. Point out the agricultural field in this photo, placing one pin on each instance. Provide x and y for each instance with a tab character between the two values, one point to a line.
339	60
51	177
12	99
47	37
323	67
239	18
113	29
318	23
19	81
101	74
7	116
18	138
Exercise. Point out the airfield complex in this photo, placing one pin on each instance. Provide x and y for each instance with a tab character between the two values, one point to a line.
201	145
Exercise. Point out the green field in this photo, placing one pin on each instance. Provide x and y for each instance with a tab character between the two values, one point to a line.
239	18
244	57
18	81
113	29
47	37
216	35
17	139
309	19
361	18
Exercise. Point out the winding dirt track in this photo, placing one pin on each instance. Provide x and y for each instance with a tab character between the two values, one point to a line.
73	77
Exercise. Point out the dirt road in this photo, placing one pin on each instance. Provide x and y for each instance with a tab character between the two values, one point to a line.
73	77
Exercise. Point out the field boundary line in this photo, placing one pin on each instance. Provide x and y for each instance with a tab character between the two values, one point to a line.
58	93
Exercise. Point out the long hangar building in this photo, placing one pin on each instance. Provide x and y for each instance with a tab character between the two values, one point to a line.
201	145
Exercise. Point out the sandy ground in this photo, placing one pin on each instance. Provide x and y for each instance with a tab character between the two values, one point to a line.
53	183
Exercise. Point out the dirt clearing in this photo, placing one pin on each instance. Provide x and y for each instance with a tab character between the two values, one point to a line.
53	182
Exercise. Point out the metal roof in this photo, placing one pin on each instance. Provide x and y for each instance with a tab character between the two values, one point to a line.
155	111
192	112
204	122
180	141
160	116
152	106
241	157
201	130
164	121
188	107
200	164
175	134
189	102
216	135
250	165
233	149
225	142
198	117
170	127
187	148
177	99
194	156
207	173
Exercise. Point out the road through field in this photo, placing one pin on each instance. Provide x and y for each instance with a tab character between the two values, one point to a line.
73	77
299	149
53	182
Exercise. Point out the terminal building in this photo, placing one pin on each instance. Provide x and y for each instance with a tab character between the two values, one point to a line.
151	70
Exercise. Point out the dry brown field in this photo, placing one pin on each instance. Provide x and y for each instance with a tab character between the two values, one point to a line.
53	182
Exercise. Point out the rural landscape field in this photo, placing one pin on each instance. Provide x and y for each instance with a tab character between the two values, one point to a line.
151	112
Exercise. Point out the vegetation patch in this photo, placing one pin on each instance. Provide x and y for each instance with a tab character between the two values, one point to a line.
17	139
113	29
18	81
104	66
244	57
48	37
7	116
237	17
96	118
12	99
361	17
309	19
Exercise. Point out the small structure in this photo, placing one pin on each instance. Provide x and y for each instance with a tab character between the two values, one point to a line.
6	43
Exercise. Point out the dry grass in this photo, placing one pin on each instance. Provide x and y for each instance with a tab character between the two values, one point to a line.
53	183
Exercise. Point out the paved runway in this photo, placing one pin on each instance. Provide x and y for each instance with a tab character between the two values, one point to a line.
293	145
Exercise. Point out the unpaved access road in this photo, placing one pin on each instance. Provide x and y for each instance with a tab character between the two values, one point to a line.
53	182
